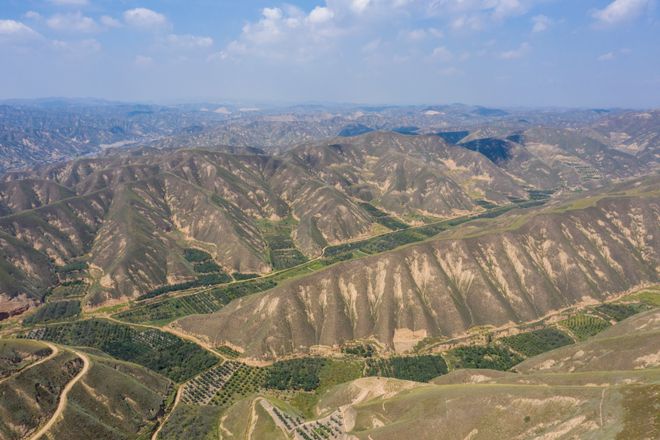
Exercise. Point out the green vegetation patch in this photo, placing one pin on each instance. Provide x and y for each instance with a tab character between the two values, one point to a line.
208	266
17	354
30	398
191	422
228	351
203	302
650	297
537	341
72	267
619	312
359	350
210	274
245	381
489	357
196	255
584	326
282	250
210	279
295	374
384	218
333	372
161	352
67	290
286	258
386	242
238	276
132	397
418	368
54	311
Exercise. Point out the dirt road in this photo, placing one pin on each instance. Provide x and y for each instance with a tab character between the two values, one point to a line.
63	397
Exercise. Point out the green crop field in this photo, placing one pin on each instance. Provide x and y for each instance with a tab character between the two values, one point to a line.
386	242
384	218
491	357
584	326
418	368
54	311
202	388
67	290
244	381
194	255
281	248
295	374
203	302
359	350
537	341
162	352
619	312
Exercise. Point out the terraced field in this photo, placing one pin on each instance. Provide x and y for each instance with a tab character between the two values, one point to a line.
68	290
207	301
537	341
283	252
583	326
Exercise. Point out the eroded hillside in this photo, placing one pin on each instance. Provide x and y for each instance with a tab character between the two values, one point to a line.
131	216
514	270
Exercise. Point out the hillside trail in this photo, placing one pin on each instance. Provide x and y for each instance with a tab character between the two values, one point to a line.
63	397
177	399
55	352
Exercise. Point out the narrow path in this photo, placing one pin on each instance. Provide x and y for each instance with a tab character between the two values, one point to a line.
252	421
177	399
55	352
63	397
602	399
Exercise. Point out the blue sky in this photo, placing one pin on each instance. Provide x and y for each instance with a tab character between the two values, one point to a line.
578	53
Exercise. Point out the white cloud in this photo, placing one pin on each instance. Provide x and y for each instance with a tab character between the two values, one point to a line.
473	11
372	46
442	53
320	14
110	22
143	61
540	23
422	34
189	41
507	8
70	2
72	22
513	54
33	15
16	31
77	48
144	18
609	56
291	33
449	71
620	11
467	22
359	6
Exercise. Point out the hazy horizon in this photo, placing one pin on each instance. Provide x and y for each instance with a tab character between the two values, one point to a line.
503	53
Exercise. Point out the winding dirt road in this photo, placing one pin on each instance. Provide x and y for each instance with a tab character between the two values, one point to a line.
54	352
63	397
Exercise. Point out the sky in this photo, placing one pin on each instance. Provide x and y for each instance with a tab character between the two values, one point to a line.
531	53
